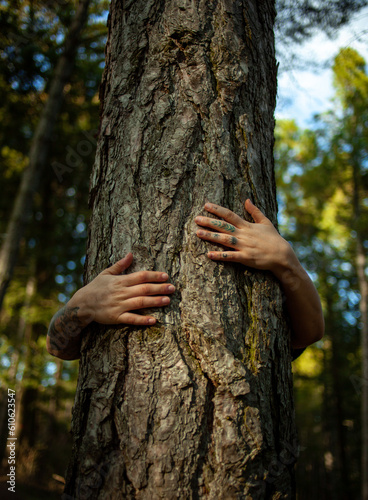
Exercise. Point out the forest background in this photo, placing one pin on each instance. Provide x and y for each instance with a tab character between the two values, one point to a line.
322	177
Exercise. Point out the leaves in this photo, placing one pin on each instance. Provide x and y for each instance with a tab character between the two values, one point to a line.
321	176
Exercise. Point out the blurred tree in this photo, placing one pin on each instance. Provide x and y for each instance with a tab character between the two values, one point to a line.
40	144
56	232
299	20
350	149
321	176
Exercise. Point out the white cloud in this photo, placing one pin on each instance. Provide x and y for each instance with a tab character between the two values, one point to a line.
303	93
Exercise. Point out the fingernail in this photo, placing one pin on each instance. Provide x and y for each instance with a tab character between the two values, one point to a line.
171	288
198	219
200	233
210	255
165	300
151	321
207	205
164	276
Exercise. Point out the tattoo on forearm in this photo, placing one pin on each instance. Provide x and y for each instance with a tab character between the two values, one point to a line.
223	225
65	327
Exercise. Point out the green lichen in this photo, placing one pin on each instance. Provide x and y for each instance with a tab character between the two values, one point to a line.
247	26
155	332
245	138
252	351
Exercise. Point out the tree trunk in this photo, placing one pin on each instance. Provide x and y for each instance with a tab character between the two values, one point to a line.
338	471
363	307
22	339
360	264
200	405
39	151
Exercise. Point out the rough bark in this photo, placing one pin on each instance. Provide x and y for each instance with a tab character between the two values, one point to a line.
38	154
199	406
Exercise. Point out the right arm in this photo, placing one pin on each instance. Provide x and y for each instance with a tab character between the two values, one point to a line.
108	299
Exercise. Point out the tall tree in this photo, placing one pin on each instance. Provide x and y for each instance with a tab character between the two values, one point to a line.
327	170
200	405
55	238
39	150
350	144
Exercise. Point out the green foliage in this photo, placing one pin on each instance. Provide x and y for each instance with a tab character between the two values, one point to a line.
324	204
50	264
351	80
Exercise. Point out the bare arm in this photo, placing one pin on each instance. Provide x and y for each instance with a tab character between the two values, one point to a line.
109	299
64	334
259	245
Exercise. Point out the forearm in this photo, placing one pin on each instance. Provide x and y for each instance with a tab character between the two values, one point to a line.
302	302
64	334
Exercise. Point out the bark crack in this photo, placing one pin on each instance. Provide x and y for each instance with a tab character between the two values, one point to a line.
206	439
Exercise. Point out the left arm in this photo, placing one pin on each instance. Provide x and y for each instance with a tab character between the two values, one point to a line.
259	245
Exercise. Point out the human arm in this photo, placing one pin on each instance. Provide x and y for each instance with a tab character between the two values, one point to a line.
260	246
109	299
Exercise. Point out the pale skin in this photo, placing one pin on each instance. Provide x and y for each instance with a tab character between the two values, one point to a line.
110	299
113	298
258	245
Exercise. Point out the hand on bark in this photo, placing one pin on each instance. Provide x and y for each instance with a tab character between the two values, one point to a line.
259	245
256	245
110	297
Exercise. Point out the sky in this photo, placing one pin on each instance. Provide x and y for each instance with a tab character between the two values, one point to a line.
303	93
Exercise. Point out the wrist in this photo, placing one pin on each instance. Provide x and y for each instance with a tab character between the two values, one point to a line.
79	302
287	265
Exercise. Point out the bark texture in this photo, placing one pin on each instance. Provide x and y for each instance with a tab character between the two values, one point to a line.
199	406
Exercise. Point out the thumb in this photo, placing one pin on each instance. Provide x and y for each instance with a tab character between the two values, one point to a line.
255	212
120	265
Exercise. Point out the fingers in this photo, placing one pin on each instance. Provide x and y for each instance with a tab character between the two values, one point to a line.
225	256
120	266
136	319
145	302
222	239
218	225
255	212
226	214
150	289
144	277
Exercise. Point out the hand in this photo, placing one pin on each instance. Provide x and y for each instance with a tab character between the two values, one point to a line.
256	245
259	245
110	297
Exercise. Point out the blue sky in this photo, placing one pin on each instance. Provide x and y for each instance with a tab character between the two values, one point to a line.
301	94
